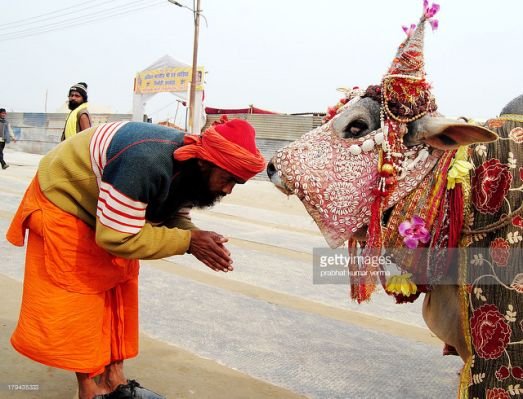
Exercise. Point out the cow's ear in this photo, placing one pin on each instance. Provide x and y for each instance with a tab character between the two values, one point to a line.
446	134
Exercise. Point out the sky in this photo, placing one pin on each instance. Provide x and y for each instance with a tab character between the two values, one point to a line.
287	56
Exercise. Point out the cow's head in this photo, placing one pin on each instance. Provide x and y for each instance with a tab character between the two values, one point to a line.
384	139
334	168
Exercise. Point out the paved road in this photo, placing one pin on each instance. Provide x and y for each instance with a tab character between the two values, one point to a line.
267	319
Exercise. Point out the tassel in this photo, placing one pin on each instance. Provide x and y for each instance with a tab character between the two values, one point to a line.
372	250
456	221
456	217
353	269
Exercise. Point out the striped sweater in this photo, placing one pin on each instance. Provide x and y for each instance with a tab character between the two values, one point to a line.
109	177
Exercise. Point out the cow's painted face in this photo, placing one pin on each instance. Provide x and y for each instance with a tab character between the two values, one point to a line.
334	170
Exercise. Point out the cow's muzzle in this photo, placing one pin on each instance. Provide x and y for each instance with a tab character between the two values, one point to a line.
275	179
271	170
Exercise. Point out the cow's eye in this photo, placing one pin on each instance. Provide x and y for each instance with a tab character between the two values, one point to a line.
355	129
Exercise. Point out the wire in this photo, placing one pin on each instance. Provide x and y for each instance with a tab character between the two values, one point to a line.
69	21
78	21
53	14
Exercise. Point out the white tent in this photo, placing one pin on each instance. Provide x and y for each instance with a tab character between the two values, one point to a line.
166	63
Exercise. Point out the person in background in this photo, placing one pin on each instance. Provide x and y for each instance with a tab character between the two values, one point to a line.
101	201
79	118
6	135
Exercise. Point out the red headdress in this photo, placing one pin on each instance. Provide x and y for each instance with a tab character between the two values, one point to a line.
231	145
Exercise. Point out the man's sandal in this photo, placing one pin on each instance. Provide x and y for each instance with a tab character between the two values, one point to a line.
130	390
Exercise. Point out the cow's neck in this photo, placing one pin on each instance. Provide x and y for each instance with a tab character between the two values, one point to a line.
431	201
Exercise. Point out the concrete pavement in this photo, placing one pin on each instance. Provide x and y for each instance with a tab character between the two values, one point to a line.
262	331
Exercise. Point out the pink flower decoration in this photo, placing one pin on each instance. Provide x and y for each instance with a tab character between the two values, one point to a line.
409	30
413	232
430	12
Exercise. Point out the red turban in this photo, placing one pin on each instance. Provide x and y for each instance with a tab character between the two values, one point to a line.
231	145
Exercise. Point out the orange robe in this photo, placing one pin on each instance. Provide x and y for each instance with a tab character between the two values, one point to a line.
80	303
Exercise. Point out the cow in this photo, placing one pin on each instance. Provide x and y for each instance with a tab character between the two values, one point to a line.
387	172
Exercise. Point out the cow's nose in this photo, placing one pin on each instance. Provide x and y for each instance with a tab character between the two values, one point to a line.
271	169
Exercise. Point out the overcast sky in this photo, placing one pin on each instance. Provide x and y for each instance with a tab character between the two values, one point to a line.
282	55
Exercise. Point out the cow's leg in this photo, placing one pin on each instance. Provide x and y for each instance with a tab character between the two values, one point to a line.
441	311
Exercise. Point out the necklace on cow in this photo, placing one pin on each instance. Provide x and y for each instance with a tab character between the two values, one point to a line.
387	168
404	96
428	202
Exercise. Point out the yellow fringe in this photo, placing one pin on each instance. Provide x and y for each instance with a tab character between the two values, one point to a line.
465	377
511	117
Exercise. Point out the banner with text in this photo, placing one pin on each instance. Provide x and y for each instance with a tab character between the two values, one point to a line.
167	79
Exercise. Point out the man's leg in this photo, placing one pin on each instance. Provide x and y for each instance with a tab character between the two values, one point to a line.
2	162
112	376
87	387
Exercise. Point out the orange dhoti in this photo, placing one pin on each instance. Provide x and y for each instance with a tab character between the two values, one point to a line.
80	304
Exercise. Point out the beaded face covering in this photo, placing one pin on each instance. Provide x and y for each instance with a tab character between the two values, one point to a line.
335	178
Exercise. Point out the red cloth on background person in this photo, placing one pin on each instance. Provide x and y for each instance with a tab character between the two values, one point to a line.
230	145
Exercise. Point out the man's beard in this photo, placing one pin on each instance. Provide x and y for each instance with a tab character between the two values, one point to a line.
190	186
73	105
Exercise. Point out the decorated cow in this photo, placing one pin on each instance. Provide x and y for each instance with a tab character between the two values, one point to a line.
387	174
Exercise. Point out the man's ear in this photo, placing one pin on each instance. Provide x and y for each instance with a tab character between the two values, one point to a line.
446	134
204	165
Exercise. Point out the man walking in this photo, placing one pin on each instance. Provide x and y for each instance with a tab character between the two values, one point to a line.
6	135
100	201
79	118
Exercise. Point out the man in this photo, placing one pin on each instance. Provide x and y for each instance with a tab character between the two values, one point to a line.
6	135
79	118
100	201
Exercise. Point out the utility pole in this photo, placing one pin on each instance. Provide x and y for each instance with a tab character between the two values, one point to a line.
192	89
192	92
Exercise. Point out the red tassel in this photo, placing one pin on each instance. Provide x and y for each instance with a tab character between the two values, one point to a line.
456	216
372	250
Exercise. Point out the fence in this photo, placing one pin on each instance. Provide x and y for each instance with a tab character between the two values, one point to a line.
37	133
